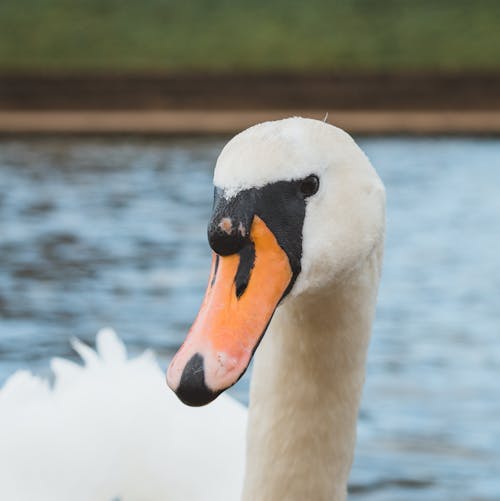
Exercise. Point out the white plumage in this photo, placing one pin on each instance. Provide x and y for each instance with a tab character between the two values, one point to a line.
110	429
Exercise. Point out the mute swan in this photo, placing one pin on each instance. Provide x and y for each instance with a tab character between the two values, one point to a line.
297	232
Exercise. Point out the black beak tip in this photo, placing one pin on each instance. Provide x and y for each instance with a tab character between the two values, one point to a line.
192	389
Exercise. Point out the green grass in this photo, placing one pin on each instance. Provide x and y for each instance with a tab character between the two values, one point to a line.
257	35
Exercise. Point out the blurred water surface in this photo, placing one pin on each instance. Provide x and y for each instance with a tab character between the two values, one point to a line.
96	233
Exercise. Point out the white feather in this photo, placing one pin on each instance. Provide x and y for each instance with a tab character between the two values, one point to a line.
111	430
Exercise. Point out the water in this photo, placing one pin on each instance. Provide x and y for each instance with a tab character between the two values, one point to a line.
96	233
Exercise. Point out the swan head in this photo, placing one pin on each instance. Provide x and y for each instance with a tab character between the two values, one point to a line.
297	204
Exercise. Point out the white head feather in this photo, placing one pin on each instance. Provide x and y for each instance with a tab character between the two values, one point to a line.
344	220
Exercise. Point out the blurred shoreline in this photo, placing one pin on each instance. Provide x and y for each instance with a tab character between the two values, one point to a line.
188	122
215	103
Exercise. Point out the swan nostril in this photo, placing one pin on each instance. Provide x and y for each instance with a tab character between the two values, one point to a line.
192	389
247	261
240	288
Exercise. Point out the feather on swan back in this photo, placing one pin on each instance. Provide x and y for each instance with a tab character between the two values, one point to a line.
110	430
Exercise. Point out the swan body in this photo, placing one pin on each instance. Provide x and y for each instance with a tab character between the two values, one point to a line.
109	430
297	232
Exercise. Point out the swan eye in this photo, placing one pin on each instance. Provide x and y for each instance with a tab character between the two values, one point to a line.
309	186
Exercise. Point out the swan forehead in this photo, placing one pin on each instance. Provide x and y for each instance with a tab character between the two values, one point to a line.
281	150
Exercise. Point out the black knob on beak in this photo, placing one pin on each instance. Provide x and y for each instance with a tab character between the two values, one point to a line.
227	236
229	226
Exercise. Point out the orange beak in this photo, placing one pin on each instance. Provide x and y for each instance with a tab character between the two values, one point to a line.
231	321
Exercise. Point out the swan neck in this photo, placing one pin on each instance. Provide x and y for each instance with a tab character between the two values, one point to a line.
305	392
